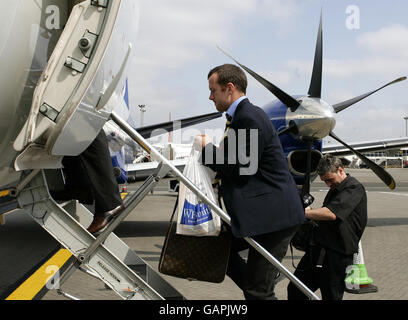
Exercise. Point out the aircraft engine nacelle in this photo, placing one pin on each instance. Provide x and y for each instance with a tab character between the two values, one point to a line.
295	149
297	160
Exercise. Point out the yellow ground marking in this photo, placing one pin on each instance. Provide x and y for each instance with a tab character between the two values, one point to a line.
4	193
33	285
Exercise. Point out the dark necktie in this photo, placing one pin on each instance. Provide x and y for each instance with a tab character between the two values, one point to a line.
229	120
227	125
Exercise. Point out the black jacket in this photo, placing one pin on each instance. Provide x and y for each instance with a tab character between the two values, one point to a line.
349	203
259	193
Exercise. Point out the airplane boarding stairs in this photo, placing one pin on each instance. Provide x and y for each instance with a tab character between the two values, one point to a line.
107	257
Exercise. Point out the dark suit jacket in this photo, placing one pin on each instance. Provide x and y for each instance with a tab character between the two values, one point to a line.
266	199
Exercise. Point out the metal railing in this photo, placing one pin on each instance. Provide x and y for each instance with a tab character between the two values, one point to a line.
179	175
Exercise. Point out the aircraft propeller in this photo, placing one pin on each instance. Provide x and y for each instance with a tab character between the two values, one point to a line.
315	92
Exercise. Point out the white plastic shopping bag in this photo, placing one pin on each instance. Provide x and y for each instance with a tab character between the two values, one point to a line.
194	216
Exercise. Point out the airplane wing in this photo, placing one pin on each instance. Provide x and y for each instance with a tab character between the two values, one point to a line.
142	170
161	128
368	146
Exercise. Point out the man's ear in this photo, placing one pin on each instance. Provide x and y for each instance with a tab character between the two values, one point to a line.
341	171
230	86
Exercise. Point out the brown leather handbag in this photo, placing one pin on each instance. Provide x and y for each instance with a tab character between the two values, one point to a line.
195	258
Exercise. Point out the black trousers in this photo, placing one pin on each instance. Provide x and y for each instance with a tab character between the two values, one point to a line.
91	175
329	278
256	277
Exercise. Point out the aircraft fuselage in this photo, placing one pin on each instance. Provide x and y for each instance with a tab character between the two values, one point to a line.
25	46
57	91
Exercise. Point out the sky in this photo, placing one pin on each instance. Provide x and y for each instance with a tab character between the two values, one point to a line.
365	45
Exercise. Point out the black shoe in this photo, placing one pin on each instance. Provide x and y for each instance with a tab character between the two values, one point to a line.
102	219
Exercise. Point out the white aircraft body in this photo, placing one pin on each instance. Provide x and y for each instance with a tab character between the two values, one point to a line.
58	87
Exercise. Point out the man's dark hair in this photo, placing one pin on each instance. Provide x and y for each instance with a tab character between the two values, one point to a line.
231	73
328	163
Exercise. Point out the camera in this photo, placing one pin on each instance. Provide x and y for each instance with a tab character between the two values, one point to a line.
307	200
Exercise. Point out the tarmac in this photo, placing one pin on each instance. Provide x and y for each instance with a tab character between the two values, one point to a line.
384	245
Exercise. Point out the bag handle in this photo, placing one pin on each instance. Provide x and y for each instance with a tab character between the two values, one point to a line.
175	205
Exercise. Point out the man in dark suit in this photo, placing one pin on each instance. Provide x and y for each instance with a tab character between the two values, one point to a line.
259	193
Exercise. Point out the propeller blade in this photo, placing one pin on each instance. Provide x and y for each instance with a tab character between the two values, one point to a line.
315	89
291	128
153	130
380	172
345	104
286	99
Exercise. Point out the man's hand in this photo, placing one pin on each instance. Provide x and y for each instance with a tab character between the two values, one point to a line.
201	141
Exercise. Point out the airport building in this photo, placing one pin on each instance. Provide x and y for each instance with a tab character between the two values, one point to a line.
389	159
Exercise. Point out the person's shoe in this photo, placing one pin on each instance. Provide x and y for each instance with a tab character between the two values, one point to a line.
101	220
98	223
